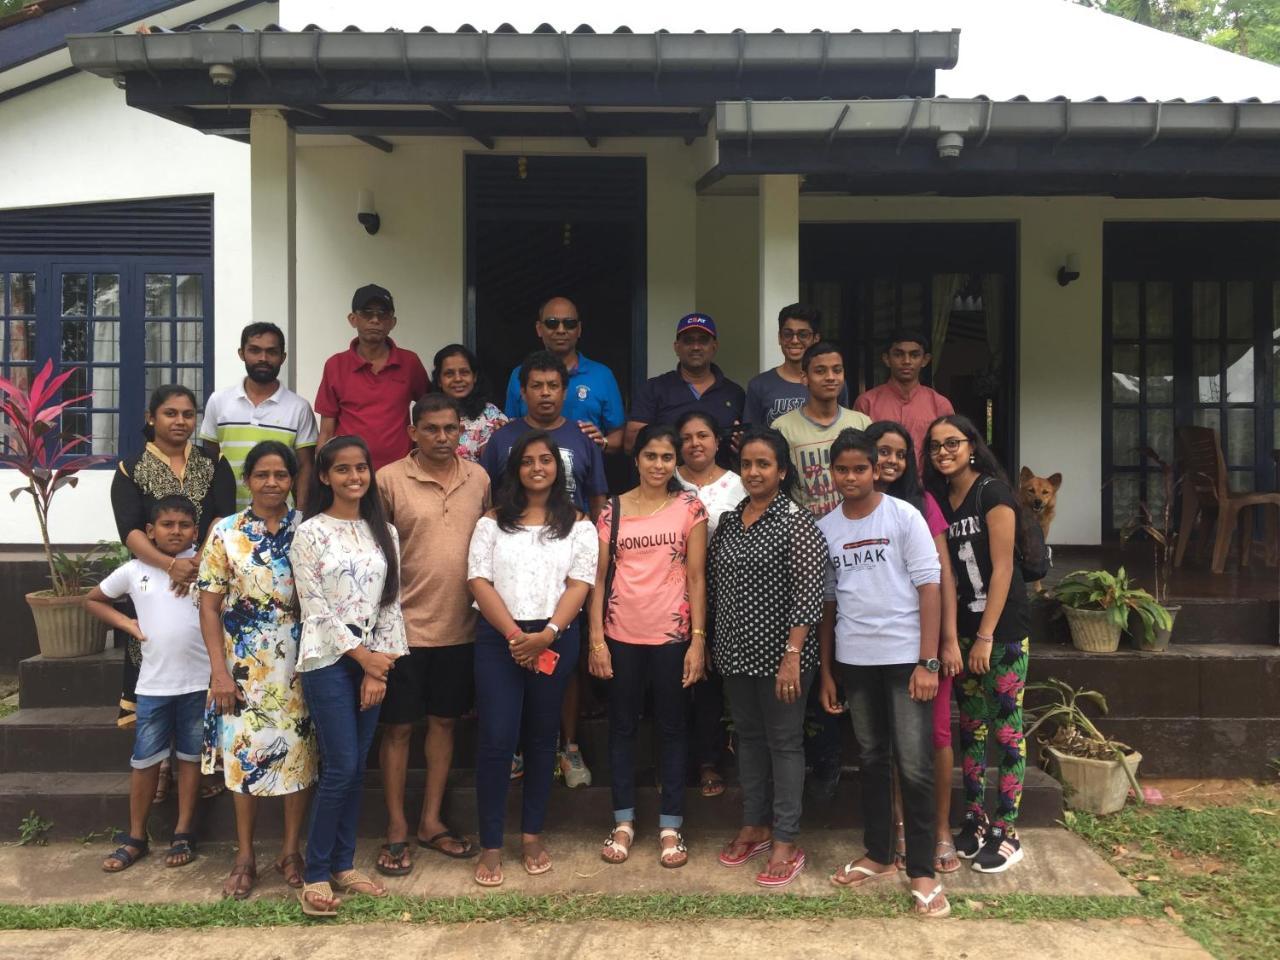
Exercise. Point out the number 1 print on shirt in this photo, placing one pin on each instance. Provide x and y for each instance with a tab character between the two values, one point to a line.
979	602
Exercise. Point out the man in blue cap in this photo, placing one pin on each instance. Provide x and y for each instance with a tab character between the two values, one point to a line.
695	384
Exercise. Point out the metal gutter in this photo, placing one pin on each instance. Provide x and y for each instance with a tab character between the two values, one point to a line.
959	121
270	50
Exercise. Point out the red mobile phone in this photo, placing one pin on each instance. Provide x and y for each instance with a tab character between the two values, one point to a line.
547	661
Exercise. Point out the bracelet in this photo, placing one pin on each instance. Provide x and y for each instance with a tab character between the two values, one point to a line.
555	631
513	634
169	569
599	646
981	638
698	632
790	649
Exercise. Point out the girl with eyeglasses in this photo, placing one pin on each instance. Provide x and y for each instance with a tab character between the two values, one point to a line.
984	538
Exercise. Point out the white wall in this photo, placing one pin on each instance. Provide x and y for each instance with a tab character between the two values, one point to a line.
75	141
419	251
1060	332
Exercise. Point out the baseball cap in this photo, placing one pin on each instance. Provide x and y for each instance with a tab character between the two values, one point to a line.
696	321
367	294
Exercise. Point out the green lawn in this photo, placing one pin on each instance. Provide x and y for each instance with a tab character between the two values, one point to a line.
1216	872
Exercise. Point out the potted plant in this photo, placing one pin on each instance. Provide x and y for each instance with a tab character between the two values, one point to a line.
49	461
1158	528
1096	772
1098	604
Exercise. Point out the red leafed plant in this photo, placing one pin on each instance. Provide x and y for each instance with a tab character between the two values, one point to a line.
47	458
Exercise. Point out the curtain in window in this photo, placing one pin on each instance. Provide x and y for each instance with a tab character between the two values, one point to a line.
945	288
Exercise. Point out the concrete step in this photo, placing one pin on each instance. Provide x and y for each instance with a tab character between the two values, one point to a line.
81	803
92	681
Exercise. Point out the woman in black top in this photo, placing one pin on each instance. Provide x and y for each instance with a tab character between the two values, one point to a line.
984	537
765	580
169	464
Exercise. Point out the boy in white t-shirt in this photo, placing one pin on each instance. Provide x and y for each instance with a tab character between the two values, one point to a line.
172	681
880	624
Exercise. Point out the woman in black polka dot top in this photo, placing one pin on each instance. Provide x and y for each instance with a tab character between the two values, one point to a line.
766	565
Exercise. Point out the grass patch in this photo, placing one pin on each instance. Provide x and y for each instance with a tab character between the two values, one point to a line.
1215	871
553	909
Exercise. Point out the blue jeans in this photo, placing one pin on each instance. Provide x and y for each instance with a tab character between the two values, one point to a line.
176	720
505	693
891	727
344	733
636	666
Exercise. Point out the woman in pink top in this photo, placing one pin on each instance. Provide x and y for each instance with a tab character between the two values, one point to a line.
896	459
648	628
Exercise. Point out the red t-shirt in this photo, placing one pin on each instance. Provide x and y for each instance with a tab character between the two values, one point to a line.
373	406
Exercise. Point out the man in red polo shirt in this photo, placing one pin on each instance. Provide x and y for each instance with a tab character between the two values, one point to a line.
368	388
903	398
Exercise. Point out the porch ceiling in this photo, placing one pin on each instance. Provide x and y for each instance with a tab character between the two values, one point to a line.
489	85
1019	147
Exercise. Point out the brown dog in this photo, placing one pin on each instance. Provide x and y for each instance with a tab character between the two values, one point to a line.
1039	496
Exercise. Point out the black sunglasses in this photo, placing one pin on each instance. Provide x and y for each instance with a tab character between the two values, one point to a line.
553	323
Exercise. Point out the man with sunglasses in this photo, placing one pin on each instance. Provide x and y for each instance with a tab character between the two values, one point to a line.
367	389
593	400
781	389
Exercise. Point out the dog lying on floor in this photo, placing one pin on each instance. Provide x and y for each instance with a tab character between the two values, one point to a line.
1039	496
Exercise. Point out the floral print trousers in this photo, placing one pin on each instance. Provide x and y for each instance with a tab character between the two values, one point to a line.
992	703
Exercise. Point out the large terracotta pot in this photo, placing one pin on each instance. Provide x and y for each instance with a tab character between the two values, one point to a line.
64	627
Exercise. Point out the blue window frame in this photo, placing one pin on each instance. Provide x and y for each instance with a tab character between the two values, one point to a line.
124	325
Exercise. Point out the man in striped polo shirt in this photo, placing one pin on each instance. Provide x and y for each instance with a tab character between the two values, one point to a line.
259	408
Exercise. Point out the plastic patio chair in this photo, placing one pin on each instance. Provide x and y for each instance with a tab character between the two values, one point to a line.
1205	490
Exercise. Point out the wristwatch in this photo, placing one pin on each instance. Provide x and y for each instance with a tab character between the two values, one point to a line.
555	631
933	664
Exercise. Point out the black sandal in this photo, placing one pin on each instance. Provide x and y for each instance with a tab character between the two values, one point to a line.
121	854
468	850
395	853
183	845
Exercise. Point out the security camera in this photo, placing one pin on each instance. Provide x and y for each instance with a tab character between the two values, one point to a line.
365	213
949	145
222	74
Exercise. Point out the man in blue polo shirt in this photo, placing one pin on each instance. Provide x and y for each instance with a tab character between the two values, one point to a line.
593	400
695	384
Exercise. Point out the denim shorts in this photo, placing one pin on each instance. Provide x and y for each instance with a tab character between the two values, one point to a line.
162	721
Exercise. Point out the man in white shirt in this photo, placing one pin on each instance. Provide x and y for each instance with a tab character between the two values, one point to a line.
259	408
880	624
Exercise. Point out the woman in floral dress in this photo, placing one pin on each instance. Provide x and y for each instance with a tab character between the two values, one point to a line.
457	375
257	718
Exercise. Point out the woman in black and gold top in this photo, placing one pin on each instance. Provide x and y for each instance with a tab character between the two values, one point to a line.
766	573
168	465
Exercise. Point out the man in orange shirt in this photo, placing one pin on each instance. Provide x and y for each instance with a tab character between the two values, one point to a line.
903	398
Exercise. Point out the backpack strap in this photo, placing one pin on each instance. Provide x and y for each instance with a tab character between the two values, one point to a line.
615	521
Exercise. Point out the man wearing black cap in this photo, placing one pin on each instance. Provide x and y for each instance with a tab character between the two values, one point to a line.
368	388
695	384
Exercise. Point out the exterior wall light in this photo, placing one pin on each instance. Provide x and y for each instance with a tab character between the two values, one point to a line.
950	145
222	74
365	213
1070	270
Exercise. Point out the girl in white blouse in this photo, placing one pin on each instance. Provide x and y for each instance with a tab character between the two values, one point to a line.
531	562
346	569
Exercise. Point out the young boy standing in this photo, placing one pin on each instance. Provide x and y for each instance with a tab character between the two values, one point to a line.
880	623
172	682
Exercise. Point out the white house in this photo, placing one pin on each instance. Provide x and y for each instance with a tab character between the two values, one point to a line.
947	165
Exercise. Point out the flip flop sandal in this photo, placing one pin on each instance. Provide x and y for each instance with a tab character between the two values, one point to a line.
946	850
468	850
397	854
241	890
923	903
494	880
794	866
211	785
348	880
121	854
672	857
711	784
322	890
753	850
615	846
291	868
865	875
535	869
517	766
183	845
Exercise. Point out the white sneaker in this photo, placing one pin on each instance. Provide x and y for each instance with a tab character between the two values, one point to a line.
573	768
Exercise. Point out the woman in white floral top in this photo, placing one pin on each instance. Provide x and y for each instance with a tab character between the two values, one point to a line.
457	375
346	567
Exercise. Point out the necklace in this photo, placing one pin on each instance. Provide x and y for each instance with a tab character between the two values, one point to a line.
665	501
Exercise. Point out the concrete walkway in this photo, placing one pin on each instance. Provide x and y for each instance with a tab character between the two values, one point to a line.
777	940
1056	862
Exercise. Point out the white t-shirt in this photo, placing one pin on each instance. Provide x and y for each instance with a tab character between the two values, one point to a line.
875	566
174	658
527	568
719	497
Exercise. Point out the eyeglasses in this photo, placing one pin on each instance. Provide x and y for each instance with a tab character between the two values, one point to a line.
553	323
801	335
951	444
374	313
